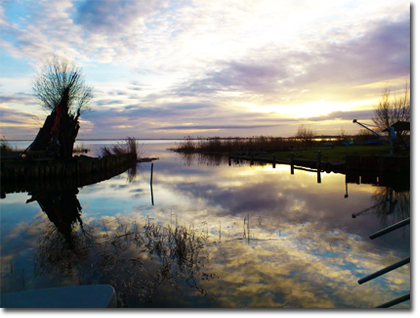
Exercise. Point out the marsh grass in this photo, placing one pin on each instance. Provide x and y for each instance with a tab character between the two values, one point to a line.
5	146
130	146
135	260
259	144
266	147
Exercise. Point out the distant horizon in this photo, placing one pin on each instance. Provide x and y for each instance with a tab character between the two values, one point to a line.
193	138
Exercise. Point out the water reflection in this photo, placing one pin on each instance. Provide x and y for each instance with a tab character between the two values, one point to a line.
389	206
216	236
137	261
203	159
63	210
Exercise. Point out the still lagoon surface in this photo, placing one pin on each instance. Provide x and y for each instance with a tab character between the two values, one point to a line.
206	234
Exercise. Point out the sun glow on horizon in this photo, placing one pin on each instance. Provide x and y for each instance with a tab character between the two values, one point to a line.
309	109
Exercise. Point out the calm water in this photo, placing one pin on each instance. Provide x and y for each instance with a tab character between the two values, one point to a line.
207	234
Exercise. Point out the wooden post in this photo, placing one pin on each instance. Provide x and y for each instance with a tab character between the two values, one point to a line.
347	191
292	164
151	173
318	165
274	161
151	184
230	162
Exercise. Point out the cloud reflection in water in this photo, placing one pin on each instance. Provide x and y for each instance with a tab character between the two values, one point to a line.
272	239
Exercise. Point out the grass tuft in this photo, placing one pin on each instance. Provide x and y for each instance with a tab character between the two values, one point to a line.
5	146
130	146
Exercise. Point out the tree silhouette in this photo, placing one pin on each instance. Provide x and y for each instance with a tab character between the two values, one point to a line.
61	88
58	79
389	111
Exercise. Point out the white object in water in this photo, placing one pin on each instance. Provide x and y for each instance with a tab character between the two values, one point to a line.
86	296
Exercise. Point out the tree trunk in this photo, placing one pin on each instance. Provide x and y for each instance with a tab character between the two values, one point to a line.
59	132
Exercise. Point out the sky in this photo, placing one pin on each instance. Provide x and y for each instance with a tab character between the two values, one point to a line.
175	68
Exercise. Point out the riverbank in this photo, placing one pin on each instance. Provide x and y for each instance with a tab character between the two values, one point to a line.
329	157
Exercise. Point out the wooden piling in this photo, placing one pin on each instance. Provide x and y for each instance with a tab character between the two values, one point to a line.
292	163
151	184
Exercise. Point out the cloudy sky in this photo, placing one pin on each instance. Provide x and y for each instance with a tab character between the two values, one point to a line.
171	68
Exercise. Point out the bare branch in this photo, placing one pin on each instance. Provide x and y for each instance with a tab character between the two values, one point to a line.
57	75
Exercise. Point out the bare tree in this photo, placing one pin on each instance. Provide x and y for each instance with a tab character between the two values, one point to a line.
343	135
61	88
57	76
305	134
391	110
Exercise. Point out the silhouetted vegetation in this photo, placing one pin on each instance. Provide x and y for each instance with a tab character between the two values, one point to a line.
5	146
135	260
390	111
57	76
391	206
305	135
60	87
129	147
241	145
303	145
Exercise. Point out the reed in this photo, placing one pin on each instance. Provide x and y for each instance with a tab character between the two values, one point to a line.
187	146
135	260
257	144
130	146
5	146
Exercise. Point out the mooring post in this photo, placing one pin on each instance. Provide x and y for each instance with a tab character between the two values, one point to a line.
274	161
347	191
318	166
252	159
151	184
292	164
230	156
